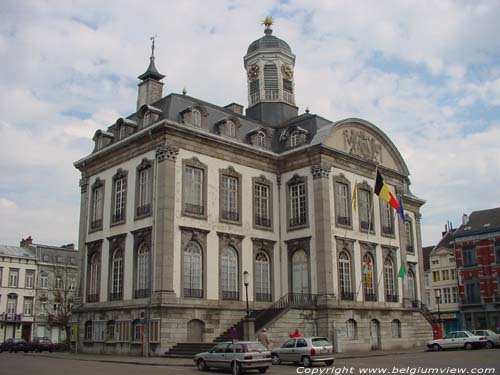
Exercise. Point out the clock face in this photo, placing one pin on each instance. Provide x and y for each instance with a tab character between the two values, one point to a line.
253	72
287	71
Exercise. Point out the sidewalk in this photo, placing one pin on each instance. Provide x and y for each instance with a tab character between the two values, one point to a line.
188	362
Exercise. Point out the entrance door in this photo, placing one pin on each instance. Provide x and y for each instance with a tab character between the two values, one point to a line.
195	329
375	334
26	332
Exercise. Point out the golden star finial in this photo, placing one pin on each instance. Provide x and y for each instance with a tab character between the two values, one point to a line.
268	22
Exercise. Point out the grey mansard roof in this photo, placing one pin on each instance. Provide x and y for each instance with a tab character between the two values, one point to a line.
16	251
268	42
480	222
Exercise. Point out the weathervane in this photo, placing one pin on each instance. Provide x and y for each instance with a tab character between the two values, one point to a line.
267	23
152	38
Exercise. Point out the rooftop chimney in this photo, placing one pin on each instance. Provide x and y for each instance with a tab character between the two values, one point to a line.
465	219
26	242
235	107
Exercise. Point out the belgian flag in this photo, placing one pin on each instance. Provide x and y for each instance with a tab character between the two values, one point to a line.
382	190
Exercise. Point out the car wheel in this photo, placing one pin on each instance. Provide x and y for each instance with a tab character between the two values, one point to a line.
307	361
468	346
236	367
329	363
275	359
489	345
436	347
263	370
202	366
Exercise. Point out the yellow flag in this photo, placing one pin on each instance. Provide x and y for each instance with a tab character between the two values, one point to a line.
355	197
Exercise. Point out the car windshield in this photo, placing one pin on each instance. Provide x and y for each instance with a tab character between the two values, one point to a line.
255	347
18	340
44	340
320	341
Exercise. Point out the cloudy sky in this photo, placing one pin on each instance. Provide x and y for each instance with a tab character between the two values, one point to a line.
427	73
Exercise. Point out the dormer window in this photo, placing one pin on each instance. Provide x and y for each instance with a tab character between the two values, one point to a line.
294	139
123	132
227	127
196	118
230	129
261	139
100	143
149	115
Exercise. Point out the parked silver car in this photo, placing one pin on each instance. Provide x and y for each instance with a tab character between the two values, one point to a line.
307	350
492	337
458	339
244	355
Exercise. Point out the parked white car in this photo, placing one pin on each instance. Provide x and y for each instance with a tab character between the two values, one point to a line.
458	339
492	337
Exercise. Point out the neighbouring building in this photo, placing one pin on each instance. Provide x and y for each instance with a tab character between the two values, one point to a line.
55	288
477	249
442	283
18	267
183	199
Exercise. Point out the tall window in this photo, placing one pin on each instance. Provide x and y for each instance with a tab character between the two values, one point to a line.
44	280
144	189
454	294
345	276
88	330
137	330
193	270
497	252
261	139
262	277
396	329
472	291
12	304
1	275
298	210
123	132
193	190
365	210
447	295
412	291
110	330
469	256
59	282
294	138
342	204
409	236
229	274
119	199
300	272
13	278
386	218
261	200
351	329
142	274
390	290
95	267
369	278
230	195
97	206
196	118
30	279
28	306
117	275
271	82
230	128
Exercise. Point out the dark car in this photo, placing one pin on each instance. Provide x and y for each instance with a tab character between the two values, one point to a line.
16	345
42	343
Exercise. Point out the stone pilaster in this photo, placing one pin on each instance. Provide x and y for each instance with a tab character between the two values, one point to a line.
420	256
166	156
402	254
82	237
323	231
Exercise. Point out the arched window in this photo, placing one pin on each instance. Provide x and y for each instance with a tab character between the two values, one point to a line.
137	330
368	278
193	270
196	118
88	330
351	329
345	276
396	328
229	274
230	129
117	275
390	290
262	277
294	138
261	139
300	272
142	274
95	267
412	294
409	236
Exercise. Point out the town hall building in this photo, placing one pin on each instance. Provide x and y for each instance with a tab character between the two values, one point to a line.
189	209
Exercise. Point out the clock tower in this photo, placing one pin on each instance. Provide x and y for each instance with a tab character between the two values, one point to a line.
270	63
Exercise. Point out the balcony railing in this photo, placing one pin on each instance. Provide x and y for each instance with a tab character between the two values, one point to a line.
193	293
10	317
347	296
143	210
96	224
231	215
288	97
272	94
193	208
229	295
298	220
254	98
141	293
92	297
263	297
262	221
118	216
114	296
370	297
343	220
391	297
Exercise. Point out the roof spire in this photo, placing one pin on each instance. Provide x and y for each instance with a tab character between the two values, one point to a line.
152	72
268	23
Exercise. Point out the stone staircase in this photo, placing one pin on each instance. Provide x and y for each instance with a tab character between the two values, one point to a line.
424	311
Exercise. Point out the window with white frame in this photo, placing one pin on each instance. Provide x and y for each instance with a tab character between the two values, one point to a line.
193	270
117	275
194	190
137	330
351	329
262	277
294	138
196	118
142	271
454	294
261	139
43	308
230	128
365	210
447	295
120	199
154	330
1	275
262	203
13	277
99	329
12	304
94	277
97	206
298	210
342	204
229	274
144	186
345	276
469	255
28	306
300	272
230	195
30	279
59	282
369	278
386	218
390	288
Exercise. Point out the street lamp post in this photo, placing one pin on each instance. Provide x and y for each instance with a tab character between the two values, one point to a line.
245	282
438	300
